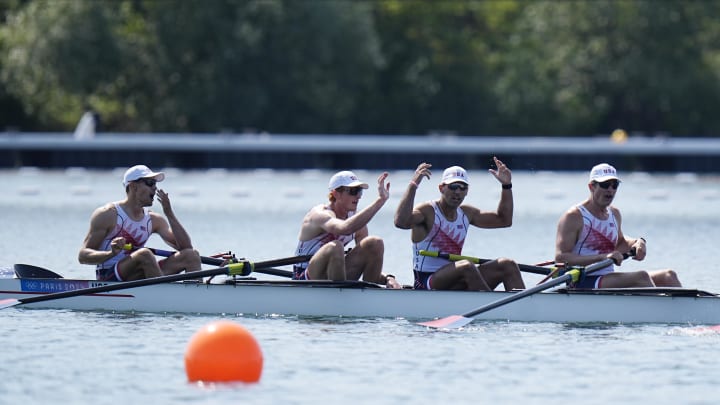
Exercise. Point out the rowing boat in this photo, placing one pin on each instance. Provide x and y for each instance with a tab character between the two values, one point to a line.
249	296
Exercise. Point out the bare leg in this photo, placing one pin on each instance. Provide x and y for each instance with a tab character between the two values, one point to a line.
504	271
140	264
460	275
366	260
627	280
186	259
328	263
665	278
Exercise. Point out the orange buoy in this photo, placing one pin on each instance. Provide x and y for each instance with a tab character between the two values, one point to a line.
223	351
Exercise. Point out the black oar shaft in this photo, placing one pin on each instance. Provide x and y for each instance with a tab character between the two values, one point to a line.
523	267
524	293
275	272
282	262
218	262
215	261
540	287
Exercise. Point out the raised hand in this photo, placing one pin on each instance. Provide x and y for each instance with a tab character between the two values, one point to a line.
164	201
383	189
423	170
503	173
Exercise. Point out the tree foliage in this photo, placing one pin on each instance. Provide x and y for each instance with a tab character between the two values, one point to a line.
499	67
586	67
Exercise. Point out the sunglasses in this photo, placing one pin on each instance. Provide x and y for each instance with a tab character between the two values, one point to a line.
352	190
608	183
148	182
457	186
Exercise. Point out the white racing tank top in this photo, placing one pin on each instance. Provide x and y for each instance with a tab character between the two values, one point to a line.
444	237
598	236
134	232
309	247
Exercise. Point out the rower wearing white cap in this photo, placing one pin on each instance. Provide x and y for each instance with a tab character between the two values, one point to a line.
115	225
441	226
328	228
591	231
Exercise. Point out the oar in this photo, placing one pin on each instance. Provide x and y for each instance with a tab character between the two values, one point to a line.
242	268
453	258
218	262
203	259
458	321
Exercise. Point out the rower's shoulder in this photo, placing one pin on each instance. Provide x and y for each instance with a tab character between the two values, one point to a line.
574	210
106	209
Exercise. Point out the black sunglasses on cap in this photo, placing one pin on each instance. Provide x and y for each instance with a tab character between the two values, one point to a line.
608	183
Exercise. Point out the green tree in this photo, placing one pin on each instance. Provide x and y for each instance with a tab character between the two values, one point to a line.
59	57
589	67
193	65
440	65
12	114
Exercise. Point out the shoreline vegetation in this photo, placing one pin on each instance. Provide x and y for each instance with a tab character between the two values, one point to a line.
505	68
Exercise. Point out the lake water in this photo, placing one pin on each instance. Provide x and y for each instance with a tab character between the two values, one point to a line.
51	356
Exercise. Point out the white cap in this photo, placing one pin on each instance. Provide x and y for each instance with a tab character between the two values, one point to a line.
603	172
454	174
141	172
345	178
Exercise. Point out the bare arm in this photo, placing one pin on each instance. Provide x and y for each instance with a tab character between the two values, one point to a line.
626	243
405	216
102	222
170	230
502	217
353	224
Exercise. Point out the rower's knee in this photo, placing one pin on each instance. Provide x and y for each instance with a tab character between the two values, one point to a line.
144	257
468	270
667	278
335	249
508	265
465	266
644	279
672	278
373	245
511	277
190	258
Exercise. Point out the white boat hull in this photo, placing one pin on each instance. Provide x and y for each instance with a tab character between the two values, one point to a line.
356	299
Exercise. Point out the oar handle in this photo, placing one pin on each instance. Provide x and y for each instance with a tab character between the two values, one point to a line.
453	258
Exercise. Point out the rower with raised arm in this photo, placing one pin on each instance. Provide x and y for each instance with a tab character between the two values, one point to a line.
592	231
442	225
328	228
115	225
